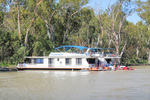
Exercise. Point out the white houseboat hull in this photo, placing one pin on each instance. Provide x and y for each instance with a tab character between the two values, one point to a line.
59	62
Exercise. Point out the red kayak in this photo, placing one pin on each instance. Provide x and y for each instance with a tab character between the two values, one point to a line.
126	68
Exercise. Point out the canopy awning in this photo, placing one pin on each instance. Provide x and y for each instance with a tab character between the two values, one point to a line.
67	47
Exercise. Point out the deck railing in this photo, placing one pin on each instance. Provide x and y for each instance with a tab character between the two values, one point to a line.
36	65
105	55
92	65
31	65
20	65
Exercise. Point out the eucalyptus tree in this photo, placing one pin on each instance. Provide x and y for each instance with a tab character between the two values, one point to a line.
6	33
1	15
19	21
144	34
134	44
13	26
73	7
1	32
47	11
87	31
33	27
112	22
144	12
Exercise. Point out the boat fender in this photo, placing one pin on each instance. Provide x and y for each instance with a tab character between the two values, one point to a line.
113	55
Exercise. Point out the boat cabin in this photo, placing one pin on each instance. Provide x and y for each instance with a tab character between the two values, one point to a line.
69	57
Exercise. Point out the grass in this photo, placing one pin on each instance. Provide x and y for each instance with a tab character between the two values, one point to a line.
6	65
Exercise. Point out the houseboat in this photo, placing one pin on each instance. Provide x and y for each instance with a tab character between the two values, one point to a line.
70	58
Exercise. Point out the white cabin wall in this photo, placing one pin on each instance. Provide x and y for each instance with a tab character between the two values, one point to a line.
56	62
45	61
85	63
73	62
62	60
59	64
62	63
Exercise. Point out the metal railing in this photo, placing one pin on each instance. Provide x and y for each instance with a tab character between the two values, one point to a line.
104	55
92	65
20	65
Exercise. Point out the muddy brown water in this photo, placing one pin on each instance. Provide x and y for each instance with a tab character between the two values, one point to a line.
76	85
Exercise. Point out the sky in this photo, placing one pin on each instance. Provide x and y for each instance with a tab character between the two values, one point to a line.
103	4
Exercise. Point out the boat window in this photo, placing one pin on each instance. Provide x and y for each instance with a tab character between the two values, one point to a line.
38	60
91	61
68	61
78	61
108	60
57	59
27	60
51	60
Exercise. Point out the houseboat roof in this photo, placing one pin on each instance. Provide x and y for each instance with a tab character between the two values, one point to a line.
61	56
67	47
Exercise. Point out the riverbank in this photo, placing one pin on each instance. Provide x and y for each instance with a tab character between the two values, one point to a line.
6	68
137	64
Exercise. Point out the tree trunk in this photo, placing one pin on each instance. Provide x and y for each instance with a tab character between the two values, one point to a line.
19	30
48	29
117	49
149	57
88	40
117	52
97	41
53	35
26	38
137	51
68	24
123	49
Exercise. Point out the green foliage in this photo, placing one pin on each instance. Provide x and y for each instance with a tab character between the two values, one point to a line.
20	51
38	49
4	64
143	10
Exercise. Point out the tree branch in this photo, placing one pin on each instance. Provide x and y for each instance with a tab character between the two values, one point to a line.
3	23
123	49
26	38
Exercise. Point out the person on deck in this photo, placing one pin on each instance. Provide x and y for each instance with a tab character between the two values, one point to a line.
103	53
110	64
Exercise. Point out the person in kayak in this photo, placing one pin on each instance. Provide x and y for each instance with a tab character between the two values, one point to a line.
125	68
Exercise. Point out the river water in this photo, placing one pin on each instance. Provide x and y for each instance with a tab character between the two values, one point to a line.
76	85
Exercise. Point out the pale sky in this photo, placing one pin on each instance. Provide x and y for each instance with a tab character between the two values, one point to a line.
103	4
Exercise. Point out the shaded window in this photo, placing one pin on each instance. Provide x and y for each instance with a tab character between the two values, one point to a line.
91	61
78	61
68	61
57	59
38	60
51	60
27	60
